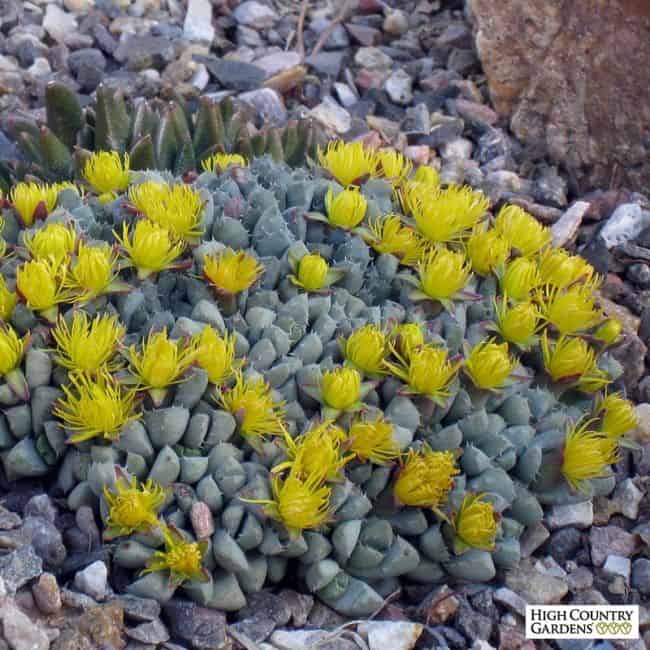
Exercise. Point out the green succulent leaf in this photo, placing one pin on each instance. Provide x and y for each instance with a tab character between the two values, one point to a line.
64	113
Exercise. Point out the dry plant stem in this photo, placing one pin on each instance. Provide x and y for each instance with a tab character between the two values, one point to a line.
300	29
330	28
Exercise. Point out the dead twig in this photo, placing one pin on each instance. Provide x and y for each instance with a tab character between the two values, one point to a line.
339	18
300	29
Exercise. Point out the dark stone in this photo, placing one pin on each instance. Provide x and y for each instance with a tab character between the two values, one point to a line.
563	544
26	52
463	61
631	355
364	34
643	238
77	561
641	575
596	253
139	609
362	108
237	75
199	626
639	274
550	187
472	624
454	638
265	604
483	603
140	52
104	39
327	63
86	56
442	133
19	567
256	629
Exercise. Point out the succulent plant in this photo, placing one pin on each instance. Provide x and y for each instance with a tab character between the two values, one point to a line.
156	135
243	390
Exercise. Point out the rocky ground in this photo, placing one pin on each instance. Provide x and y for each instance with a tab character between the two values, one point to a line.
405	73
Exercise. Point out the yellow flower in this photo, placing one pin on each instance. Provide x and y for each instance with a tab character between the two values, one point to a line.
518	323
33	201
217	162
487	250
443	273
95	407
476	523
88	345
521	276
55	241
427	175
317	452
8	300
312	273
132	509
560	269
150	247
390	236
182	558
347	209
252	404
445	215
12	349
406	338
587	455
107	173
341	388
425	478
231	272
92	272
366	349
392	165
427	371
489	365
570	311
522	231
571	359
216	355
161	362
373	441
40	283
617	415
299	503
347	162
178	208
609	332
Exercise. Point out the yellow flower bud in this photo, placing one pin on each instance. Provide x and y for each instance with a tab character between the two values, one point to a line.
150	247
373	441
522	231
476	522
445	215
617	415
11	349
571	359
489	365
56	241
216	355
389	235
347	162
162	361
39	283
520	278
443	273
312	273
231	272
406	338
487	250
587	455
425	478
92	271
107	173
366	349
572	310
609	332
218	162
392	165
8	300
560	269
427	175
32	200
518	323
347	209
341	388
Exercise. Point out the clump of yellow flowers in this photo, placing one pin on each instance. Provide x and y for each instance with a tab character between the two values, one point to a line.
218	162
107	173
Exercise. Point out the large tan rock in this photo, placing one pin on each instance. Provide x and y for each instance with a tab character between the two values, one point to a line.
573	76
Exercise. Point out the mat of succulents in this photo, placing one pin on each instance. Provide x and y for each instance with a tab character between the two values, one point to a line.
340	373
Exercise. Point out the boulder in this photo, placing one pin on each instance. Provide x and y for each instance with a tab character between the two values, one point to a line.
584	107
